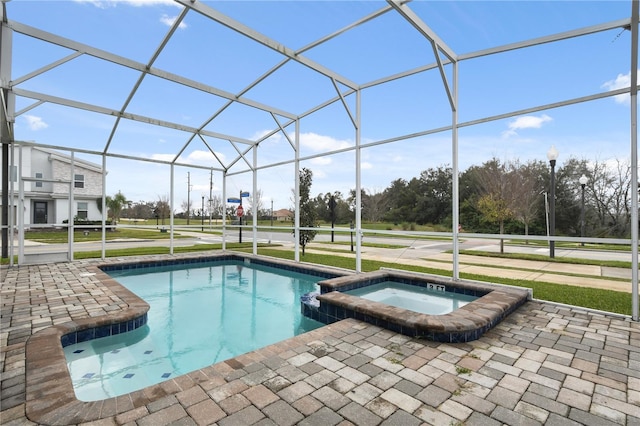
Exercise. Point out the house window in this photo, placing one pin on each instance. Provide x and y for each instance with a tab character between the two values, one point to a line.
38	176
83	210
14	173
78	181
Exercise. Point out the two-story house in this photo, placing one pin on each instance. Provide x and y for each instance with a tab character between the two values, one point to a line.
47	180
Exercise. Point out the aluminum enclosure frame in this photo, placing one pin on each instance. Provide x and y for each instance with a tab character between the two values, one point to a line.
446	64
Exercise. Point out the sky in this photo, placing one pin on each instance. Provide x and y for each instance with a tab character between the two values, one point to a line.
216	56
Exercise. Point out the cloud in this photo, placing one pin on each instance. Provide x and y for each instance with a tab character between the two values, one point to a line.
169	20
320	143
366	166
35	123
620	82
201	155
321	161
526	122
163	157
103	4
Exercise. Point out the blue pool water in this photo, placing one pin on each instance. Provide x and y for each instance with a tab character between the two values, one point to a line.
434	301
198	316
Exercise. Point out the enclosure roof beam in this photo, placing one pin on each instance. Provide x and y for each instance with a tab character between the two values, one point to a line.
143	74
254	35
115	113
622	23
436	43
119	60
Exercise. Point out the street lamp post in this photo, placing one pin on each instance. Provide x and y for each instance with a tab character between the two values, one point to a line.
552	156
202	216
583	181
272	213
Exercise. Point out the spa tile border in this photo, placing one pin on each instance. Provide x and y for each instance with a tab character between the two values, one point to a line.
309	269
468	323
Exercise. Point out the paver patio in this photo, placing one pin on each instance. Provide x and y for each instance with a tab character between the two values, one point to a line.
544	364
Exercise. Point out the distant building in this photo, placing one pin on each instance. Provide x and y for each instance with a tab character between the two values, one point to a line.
283	215
47	179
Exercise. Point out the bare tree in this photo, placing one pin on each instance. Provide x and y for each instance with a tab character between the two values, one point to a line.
374	205
498	192
163	208
528	183
215	205
609	186
255	200
187	207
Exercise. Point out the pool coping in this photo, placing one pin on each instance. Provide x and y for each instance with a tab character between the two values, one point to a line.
49	395
465	324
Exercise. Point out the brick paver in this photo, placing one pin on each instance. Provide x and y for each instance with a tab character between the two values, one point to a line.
544	364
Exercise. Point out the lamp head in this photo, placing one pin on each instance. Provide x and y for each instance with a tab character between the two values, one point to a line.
552	154
583	180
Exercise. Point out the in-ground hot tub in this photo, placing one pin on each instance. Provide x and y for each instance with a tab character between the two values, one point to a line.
468	322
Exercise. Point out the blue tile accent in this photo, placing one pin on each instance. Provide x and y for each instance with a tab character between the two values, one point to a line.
79	351
147	352
165	375
128	375
88	375
115	351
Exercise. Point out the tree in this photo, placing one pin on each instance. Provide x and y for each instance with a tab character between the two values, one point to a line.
374	205
215	206
434	200
402	200
498	188
528	185
255	200
163	209
187	207
609	189
308	216
115	205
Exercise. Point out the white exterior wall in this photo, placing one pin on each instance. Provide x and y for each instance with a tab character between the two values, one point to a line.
56	166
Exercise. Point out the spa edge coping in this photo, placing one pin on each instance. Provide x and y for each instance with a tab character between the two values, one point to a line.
469	322
50	396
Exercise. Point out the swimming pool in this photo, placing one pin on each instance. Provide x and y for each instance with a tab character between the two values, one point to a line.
199	314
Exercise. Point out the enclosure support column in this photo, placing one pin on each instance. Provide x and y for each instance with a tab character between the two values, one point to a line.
6	129
254	207
72	219
224	210
20	213
358	187
455	189
104	206
12	219
296	229
634	160
171	200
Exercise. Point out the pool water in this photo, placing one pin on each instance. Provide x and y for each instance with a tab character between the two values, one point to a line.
198	316
414	298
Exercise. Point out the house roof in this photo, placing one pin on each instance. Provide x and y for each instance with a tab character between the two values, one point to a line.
53	154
